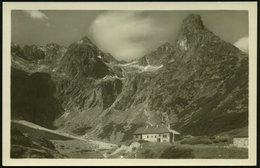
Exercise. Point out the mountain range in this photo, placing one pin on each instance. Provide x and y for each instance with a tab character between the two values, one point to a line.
198	86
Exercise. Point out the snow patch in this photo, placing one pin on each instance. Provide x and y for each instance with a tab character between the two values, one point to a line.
183	44
152	68
140	68
109	77
144	68
128	64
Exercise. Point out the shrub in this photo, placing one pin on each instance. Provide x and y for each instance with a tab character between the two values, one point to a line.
147	153
173	152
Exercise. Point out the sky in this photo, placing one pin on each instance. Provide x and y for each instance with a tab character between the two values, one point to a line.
125	34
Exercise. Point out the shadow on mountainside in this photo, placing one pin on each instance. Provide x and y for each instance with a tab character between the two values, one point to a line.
32	98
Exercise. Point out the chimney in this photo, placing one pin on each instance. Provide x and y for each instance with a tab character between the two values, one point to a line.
168	126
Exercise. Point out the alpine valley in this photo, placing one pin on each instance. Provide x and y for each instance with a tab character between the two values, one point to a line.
198	86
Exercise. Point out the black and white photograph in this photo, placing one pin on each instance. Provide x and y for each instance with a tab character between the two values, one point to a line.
132	84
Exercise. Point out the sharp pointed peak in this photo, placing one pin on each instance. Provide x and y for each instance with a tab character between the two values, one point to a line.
193	22
194	17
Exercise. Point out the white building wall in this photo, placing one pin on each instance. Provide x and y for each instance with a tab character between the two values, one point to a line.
240	142
165	137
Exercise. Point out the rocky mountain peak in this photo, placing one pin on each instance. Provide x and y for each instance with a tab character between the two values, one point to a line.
192	23
192	29
85	40
82	59
194	37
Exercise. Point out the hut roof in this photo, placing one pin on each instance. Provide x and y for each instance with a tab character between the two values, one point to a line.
154	130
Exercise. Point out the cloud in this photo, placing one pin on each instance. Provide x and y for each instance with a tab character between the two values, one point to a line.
242	44
36	14
126	34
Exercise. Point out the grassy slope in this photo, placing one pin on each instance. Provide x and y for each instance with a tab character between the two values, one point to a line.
155	150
